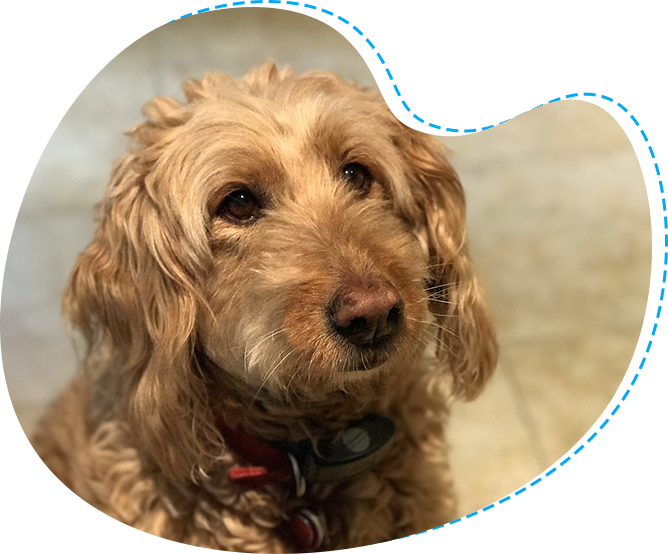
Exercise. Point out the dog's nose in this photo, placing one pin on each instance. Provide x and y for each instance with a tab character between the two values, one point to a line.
367	314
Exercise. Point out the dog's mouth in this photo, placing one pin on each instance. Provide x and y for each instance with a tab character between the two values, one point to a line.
369	361
365	327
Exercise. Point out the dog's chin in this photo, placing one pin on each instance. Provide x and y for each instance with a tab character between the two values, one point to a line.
314	373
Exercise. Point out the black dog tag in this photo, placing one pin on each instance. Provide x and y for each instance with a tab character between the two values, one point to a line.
354	450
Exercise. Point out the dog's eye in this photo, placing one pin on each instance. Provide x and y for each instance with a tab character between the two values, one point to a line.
240	206
358	176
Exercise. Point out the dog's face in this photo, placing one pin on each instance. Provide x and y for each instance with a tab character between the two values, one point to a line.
292	231
317	280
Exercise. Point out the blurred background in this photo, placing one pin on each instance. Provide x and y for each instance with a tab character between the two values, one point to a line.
558	224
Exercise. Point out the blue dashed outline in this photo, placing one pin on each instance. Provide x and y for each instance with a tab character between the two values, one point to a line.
438	126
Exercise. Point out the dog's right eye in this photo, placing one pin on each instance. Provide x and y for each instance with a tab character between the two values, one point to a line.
240	206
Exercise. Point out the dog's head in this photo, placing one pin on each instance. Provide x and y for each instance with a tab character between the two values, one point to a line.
293	232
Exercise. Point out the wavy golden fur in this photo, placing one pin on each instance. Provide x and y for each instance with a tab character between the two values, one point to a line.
191	319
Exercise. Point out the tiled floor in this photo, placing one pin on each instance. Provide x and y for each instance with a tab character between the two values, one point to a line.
559	228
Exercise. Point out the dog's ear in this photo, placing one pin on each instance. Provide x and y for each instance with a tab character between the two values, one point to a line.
431	198
134	289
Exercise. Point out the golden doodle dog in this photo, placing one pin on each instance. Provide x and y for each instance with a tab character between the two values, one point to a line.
278	308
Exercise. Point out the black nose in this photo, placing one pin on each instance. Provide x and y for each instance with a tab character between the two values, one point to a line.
368	314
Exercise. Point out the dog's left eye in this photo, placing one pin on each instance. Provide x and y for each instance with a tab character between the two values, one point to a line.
358	176
240	206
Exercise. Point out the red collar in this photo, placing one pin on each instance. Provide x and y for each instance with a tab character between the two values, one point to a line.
269	464
361	445
304	528
336	458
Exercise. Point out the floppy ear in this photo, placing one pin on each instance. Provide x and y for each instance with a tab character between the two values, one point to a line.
433	203
134	289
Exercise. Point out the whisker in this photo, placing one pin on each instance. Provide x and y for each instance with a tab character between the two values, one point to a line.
442	286
432	299
294	374
434	324
266	337
268	376
434	339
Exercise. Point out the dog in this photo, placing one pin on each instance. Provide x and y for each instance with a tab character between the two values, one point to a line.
278	308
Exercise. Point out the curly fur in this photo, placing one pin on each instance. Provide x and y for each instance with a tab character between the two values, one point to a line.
190	320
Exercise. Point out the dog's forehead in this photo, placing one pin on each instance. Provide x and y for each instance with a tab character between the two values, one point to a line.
284	134
318	122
